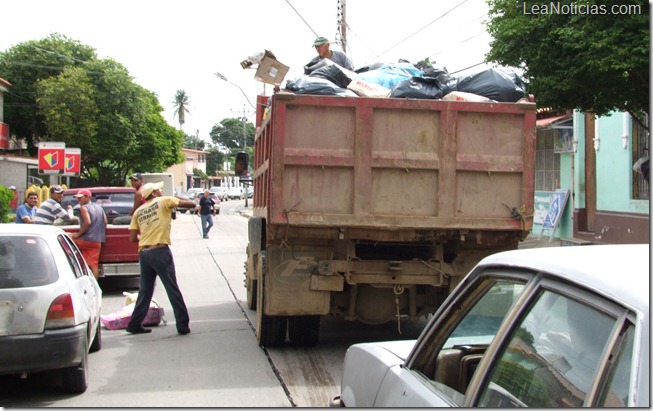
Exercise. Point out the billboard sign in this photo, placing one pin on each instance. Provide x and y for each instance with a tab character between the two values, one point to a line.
72	161
51	157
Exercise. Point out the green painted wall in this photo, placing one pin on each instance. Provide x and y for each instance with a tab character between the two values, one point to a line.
613	172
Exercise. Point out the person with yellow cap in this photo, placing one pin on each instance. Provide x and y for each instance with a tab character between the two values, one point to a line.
150	228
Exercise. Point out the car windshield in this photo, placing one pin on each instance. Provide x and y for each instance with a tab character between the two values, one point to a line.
25	261
114	204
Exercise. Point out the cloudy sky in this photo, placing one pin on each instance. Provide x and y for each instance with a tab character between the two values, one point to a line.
171	45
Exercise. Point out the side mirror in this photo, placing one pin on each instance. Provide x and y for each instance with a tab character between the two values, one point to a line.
242	162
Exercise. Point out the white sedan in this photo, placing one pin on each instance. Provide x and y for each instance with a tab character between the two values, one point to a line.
50	305
549	327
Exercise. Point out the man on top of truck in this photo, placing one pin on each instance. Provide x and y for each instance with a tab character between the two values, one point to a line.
324	51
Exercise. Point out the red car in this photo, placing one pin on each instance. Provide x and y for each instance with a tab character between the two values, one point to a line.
116	201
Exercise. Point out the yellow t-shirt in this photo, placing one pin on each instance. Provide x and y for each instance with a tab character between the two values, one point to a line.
152	220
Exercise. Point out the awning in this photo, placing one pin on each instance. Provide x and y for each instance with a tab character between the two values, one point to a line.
555	122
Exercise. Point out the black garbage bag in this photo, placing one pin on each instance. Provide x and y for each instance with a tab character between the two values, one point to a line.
315	85
499	84
417	87
336	74
439	73
369	67
315	64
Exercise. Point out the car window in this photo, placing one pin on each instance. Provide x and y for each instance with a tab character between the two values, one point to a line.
552	356
74	256
467	331
617	391
26	261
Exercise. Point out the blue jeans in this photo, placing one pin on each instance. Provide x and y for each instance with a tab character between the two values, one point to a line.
159	262
207	223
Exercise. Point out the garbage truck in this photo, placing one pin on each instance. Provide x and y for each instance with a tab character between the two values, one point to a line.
374	209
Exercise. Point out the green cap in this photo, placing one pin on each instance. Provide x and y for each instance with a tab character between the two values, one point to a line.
320	40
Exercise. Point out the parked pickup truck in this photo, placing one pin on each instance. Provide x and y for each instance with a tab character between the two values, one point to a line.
119	256
373	209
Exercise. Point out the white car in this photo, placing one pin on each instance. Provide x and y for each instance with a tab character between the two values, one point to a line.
236	193
50	305
548	327
220	192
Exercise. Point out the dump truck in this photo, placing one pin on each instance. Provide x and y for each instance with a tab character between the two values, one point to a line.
374	209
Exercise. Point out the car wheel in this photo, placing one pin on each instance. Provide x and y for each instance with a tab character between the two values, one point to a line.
74	380
97	340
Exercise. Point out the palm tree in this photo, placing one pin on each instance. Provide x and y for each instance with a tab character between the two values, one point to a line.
181	102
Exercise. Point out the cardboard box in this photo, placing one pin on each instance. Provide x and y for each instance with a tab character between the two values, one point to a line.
270	70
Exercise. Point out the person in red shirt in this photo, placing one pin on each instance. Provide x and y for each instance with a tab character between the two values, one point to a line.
13	204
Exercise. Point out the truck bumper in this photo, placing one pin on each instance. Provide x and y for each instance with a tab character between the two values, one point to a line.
122	269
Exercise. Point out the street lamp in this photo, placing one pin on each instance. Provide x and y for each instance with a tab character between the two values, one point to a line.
221	77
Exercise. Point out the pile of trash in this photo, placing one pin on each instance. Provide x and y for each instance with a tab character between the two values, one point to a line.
118	320
405	80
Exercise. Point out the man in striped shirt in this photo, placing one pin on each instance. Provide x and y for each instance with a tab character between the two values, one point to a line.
51	209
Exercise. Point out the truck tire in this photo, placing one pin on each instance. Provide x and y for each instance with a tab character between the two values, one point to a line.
304	330
270	330
251	284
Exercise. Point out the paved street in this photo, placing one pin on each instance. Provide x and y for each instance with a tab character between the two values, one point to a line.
220	363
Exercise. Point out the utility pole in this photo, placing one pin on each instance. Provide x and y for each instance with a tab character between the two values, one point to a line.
245	147
343	25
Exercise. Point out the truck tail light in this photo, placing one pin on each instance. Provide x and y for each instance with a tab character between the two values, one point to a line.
61	313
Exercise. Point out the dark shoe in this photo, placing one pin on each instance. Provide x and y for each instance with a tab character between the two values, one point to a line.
184	331
139	330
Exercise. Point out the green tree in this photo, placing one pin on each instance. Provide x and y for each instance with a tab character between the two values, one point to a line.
116	123
588	61
229	133
181	103
22	65
214	160
5	198
194	142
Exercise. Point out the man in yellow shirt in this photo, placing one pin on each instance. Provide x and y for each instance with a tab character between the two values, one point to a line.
150	228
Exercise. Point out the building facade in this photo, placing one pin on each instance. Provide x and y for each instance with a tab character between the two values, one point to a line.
592	160
183	172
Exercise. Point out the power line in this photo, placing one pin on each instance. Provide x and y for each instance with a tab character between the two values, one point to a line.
56	53
300	16
457	44
412	35
467	68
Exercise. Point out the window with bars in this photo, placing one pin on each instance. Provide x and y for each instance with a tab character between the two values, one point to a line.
547	162
640	148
